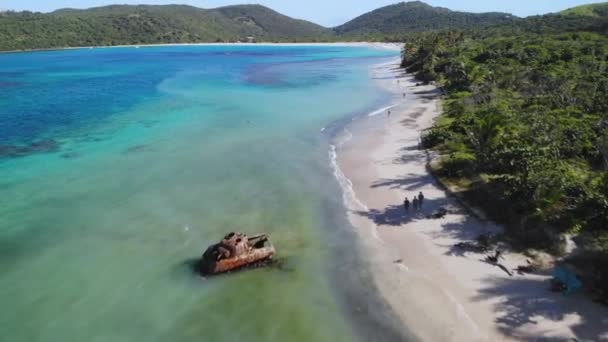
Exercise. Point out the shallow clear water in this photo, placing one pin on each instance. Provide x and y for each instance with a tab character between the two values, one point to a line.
155	154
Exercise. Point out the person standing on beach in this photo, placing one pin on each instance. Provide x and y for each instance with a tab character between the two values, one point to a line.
415	203
420	199
406	205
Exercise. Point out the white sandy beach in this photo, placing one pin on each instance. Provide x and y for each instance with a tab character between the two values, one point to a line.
439	292
372	45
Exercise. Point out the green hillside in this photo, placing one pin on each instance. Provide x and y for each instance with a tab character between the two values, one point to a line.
263	22
123	24
592	10
416	16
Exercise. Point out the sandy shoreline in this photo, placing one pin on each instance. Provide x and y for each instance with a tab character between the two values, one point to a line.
373	45
440	293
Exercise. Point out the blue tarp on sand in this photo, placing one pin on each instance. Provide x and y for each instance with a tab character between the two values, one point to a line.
568	278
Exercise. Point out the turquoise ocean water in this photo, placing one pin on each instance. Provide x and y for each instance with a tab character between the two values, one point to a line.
119	166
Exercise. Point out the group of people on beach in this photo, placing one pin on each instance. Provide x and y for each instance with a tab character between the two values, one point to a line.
388	112
416	203
398	82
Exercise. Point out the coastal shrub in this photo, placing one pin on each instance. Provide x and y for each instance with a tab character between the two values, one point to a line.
458	164
435	137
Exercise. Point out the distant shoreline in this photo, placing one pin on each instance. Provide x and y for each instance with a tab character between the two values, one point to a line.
375	45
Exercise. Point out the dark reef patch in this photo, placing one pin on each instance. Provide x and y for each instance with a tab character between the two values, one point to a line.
281	75
40	146
148	123
71	155
137	149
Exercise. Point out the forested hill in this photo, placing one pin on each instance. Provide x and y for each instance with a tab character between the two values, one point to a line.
143	24
592	17
124	24
591	10
416	16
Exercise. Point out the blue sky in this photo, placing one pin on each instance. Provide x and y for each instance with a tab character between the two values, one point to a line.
324	12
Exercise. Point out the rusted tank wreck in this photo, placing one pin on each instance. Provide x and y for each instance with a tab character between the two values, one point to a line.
236	251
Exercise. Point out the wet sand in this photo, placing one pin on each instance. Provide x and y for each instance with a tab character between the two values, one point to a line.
438	291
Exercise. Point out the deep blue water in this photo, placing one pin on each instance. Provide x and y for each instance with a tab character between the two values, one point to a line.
58	90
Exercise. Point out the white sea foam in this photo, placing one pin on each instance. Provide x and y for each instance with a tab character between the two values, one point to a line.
348	193
382	110
349	197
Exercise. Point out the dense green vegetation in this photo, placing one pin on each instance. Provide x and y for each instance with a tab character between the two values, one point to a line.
403	18
122	25
525	127
525	119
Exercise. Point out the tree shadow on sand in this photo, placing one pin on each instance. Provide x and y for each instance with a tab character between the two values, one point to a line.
410	158
429	94
409	182
467	230
527	300
395	215
524	301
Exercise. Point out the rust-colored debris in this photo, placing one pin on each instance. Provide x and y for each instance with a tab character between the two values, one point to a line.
236	251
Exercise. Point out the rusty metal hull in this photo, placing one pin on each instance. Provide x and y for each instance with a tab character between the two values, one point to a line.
250	258
261	250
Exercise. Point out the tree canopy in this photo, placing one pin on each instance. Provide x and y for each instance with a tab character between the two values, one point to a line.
526	111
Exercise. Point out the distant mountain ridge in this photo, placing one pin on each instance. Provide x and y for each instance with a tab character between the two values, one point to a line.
416	16
151	24
162	24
